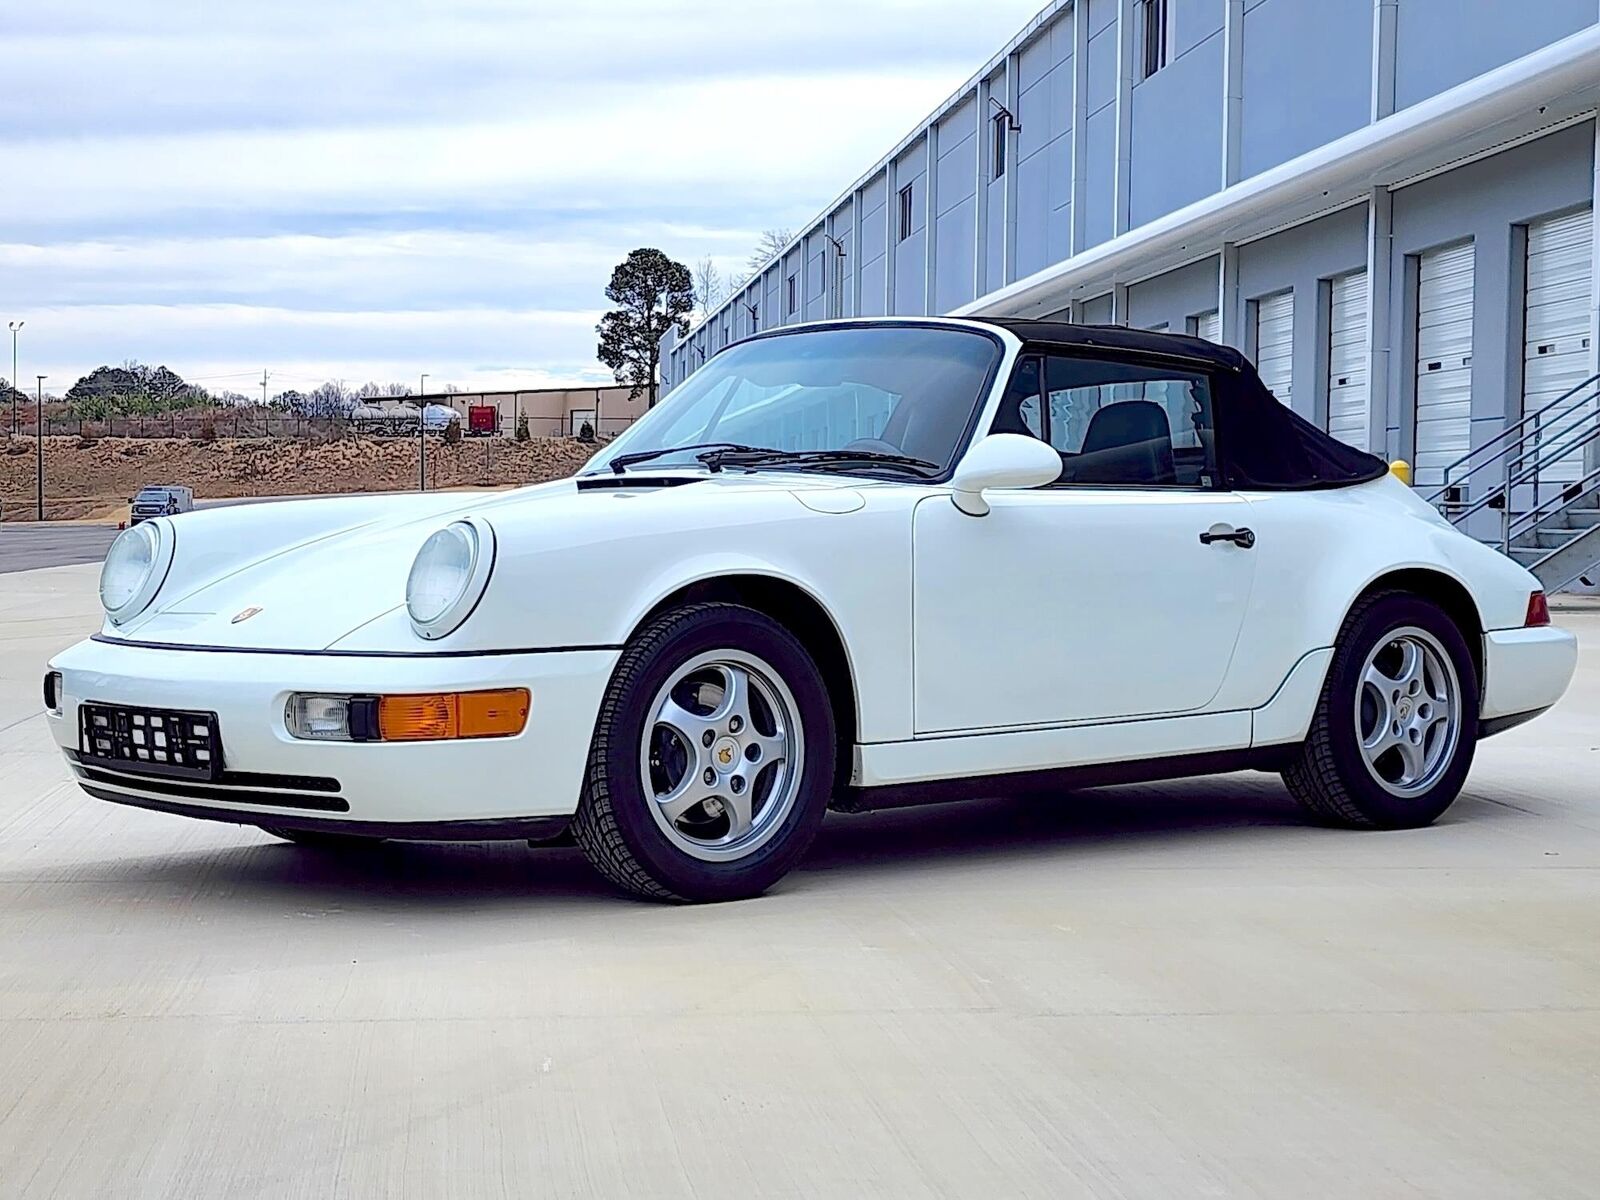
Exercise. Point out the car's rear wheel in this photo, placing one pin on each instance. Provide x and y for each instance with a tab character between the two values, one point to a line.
712	760
319	840
1395	730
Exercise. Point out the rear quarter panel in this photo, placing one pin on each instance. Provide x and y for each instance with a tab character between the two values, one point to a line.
1321	550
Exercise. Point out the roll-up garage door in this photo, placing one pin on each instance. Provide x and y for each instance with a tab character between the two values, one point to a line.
1209	326
1275	344
1556	355
1444	361
1347	359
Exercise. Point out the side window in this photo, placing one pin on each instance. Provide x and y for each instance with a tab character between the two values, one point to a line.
1127	424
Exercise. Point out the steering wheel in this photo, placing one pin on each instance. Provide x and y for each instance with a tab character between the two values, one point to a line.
876	444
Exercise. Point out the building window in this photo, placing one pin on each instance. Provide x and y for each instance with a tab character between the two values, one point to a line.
905	211
1156	31
794	294
998	153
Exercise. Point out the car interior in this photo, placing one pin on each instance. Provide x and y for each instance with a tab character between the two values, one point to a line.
1115	424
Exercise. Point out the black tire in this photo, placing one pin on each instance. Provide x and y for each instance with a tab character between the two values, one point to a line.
320	840
614	825
1330	775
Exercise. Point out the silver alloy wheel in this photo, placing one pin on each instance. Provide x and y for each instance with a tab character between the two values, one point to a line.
721	753
1408	711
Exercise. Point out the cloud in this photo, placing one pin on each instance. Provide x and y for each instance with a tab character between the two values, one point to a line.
384	188
400	271
298	63
225	346
587	161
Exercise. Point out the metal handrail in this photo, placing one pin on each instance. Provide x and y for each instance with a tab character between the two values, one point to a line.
1531	475
1547	449
1590	389
1571	492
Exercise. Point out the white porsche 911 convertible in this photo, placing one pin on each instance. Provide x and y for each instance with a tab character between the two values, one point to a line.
848	564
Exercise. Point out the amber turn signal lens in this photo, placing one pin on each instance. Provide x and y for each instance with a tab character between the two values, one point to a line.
492	714
449	715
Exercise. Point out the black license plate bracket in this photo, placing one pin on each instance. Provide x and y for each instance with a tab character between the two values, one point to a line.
172	743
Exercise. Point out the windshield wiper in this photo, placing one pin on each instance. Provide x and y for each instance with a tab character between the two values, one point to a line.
744	456
622	462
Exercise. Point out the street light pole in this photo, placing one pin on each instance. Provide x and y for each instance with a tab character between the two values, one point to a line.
422	434
38	436
16	391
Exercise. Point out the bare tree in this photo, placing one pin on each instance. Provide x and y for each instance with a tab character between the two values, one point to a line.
769	247
329	399
708	286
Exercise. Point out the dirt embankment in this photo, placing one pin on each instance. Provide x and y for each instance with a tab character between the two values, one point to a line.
93	479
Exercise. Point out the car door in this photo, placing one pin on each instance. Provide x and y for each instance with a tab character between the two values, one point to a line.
1116	593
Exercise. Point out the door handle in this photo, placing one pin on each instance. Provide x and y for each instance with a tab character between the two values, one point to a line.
1242	537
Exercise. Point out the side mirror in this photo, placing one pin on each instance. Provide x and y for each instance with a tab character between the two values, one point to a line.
1002	460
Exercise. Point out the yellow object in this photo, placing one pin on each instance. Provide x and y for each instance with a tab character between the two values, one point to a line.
1401	470
444	716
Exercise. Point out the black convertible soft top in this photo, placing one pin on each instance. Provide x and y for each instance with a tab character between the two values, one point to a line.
1263	445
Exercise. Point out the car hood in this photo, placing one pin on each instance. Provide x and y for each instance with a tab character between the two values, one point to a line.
308	575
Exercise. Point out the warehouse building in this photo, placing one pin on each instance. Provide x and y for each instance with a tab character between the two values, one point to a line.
550	412
1387	204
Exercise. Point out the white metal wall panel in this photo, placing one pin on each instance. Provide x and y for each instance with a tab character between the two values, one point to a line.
1555	356
1347	359
1444	361
1209	326
1275	344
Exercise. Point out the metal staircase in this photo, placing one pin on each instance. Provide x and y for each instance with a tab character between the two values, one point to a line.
1533	491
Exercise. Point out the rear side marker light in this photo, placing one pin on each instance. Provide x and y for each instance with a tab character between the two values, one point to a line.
1538	611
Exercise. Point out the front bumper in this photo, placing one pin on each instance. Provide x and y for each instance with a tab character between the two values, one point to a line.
1525	671
436	788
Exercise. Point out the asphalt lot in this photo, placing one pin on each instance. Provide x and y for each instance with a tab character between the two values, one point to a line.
1164	991
29	546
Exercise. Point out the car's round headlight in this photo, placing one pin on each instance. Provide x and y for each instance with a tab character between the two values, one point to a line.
135	567
449	576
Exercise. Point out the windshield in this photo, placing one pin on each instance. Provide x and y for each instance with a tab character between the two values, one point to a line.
902	390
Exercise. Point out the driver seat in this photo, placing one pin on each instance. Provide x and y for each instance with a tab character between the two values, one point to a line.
1126	442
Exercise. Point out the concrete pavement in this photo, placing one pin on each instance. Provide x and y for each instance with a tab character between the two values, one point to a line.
1159	991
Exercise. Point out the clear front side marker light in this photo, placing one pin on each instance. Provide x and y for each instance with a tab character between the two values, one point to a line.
317	718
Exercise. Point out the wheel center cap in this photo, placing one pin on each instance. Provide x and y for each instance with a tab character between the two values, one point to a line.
725	755
1405	710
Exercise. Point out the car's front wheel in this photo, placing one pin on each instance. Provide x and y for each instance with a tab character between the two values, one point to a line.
1393	736
712	760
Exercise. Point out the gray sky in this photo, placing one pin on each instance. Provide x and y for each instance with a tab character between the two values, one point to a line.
368	189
